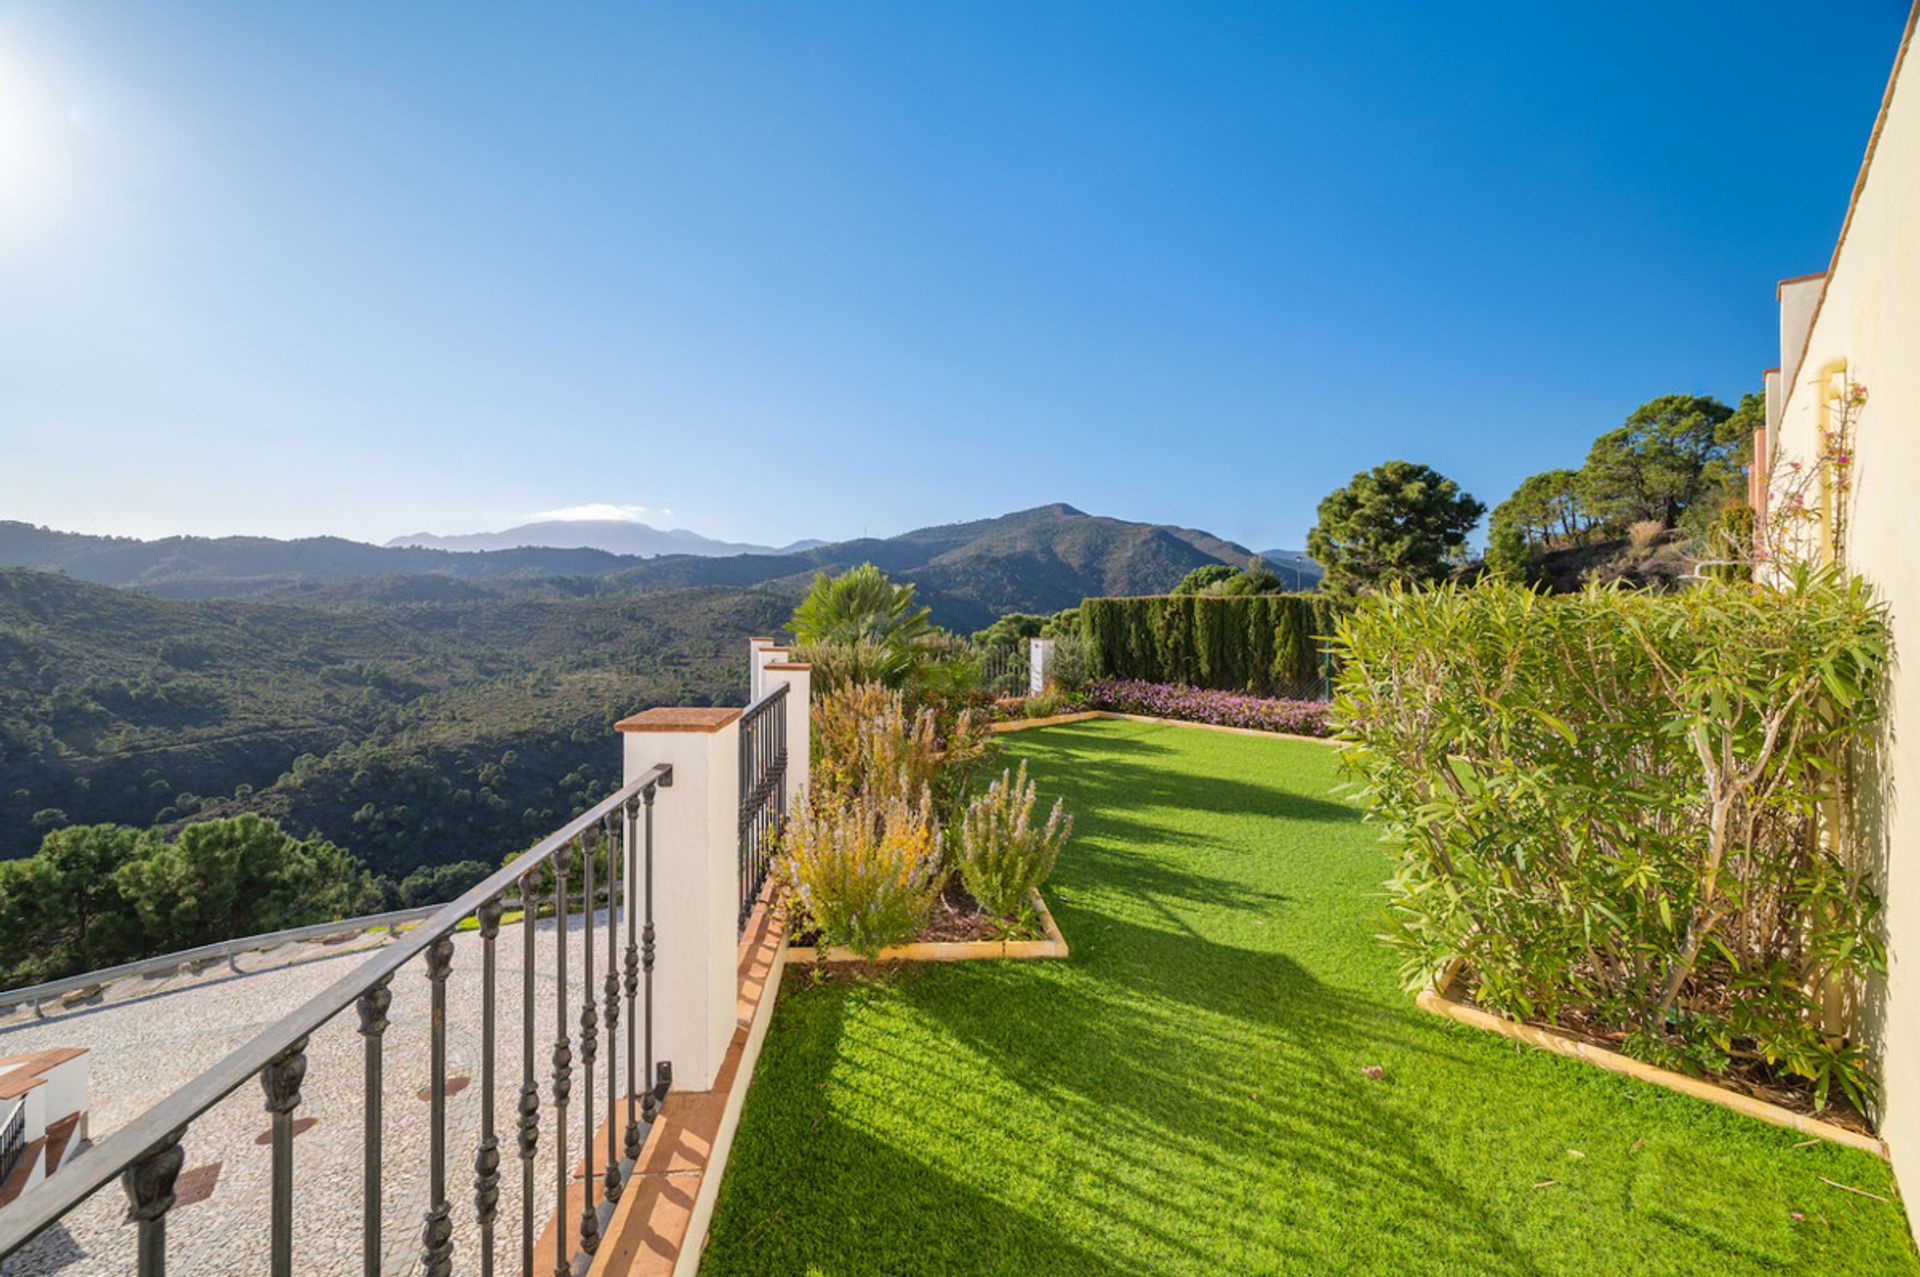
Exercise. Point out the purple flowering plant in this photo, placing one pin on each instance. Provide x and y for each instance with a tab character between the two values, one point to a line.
1202	705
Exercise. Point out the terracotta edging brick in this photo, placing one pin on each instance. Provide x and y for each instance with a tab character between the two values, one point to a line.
1438	999
660	1224
1054	946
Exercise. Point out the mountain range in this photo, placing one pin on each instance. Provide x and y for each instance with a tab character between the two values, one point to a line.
616	536
1038	560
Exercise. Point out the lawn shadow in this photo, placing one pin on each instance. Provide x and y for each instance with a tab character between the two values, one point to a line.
1112	773
808	1192
1170	1041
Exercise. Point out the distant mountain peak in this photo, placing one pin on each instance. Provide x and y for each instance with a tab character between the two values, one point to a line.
623	536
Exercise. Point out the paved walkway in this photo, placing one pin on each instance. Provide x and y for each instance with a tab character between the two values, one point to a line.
146	1038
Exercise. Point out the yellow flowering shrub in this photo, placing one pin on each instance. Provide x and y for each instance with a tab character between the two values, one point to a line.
863	870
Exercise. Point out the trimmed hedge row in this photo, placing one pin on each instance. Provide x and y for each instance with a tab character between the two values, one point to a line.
1264	643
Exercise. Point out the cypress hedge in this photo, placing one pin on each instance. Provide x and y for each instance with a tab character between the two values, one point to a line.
1271	644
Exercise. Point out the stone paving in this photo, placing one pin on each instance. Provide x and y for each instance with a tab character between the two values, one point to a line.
148	1037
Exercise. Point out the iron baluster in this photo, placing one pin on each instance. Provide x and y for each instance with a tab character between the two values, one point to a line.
373	1006
631	815
611	995
486	1162
562	1058
650	1107
281	1081
589	1048
529	1086
436	1234
149	1185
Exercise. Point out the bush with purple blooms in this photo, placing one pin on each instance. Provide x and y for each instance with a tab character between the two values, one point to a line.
1200	705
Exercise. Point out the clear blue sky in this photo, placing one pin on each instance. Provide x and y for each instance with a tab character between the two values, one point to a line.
813	269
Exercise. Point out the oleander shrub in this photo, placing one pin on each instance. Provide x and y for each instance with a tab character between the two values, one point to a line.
1003	856
863	870
1623	811
1202	705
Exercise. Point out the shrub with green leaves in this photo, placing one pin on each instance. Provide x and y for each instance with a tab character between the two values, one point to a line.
869	743
1630	811
1270	644
862	870
1003	855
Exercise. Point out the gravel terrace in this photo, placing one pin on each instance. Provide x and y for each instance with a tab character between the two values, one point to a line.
147	1037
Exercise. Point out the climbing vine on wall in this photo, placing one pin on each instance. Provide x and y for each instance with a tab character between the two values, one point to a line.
1808	501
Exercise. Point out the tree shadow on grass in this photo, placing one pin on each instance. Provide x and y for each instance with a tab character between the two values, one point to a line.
1120	774
808	1191
1199	1061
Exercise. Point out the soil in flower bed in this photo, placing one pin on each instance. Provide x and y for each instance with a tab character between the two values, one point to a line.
957	918
1746	1074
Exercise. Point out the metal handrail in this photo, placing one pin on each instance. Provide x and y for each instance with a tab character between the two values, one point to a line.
11	998
13	1137
763	792
133	1150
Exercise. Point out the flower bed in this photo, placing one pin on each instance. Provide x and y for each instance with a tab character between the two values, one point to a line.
1199	705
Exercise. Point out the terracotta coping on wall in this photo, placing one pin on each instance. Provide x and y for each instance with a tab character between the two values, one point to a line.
787	665
21	1073
1797	279
763	638
676	718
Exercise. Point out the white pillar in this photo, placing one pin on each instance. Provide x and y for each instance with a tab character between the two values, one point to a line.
1039	657
696	883
798	676
755	660
767	656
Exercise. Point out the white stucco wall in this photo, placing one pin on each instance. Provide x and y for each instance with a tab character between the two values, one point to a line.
1869	316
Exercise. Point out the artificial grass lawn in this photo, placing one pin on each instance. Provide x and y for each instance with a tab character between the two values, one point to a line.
1185	1095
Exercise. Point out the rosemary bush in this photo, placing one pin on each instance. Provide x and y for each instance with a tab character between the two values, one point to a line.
864	871
1002	854
869	742
1627	811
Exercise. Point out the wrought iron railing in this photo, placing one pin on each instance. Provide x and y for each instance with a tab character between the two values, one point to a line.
763	791
13	1139
1005	671
147	1153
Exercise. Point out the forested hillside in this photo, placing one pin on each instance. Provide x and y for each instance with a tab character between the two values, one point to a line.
421	707
409	733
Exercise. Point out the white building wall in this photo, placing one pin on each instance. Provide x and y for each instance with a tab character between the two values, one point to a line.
1868	315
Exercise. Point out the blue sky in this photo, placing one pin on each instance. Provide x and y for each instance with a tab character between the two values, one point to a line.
830	268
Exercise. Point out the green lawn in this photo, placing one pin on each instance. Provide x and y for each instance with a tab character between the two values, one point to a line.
1185	1095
